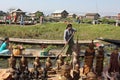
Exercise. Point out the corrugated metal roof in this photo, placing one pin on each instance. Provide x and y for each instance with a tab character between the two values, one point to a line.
58	11
91	14
16	10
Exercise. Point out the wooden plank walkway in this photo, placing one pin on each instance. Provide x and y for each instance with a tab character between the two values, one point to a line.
42	41
32	57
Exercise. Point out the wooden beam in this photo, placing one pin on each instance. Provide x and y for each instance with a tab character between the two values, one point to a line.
42	41
33	57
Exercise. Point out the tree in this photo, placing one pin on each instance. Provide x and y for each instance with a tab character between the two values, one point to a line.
2	13
86	20
38	14
104	20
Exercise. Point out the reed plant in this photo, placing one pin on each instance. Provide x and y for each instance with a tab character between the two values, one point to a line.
55	31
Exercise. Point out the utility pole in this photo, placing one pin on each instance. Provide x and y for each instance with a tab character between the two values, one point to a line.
96	6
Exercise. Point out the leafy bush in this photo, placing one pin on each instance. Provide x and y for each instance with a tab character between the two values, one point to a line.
107	21
85	20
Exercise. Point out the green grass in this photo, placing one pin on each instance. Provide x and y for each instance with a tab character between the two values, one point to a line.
54	31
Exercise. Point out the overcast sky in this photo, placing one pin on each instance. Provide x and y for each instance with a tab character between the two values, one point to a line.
104	7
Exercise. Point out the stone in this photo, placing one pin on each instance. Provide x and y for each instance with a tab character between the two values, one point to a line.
76	72
65	74
91	76
23	63
12	62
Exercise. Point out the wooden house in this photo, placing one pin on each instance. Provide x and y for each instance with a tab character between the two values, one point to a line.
15	14
60	14
118	16
31	15
72	15
93	16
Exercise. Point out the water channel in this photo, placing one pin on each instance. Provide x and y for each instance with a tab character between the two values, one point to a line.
36	52
4	62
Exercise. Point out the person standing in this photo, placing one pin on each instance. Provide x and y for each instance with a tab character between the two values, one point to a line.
15	19
41	19
4	48
9	19
5	19
21	20
33	20
78	20
68	38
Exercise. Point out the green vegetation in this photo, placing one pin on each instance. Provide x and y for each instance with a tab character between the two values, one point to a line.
107	21
54	31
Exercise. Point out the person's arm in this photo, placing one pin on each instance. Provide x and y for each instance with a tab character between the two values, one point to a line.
74	30
65	37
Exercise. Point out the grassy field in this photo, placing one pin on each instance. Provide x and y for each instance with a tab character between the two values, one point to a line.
54	31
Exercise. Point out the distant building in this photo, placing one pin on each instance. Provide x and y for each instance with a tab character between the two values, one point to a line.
2	13
72	15
60	14
15	14
118	16
110	17
31	15
93	16
2	16
81	16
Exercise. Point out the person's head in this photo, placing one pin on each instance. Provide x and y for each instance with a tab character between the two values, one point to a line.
69	26
6	39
